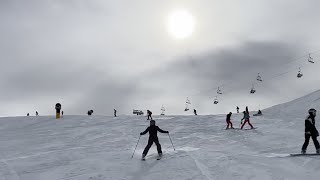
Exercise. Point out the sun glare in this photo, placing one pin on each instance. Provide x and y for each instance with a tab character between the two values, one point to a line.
180	24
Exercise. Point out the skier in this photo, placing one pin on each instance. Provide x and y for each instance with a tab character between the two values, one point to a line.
259	112
246	119
311	131
90	112
228	119
28	114
152	129
195	112
237	109
115	112
149	113
37	114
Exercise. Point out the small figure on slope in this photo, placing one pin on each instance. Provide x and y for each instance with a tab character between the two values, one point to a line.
228	119
149	113
195	112
153	138
37	114
246	119
237	109
115	112
311	131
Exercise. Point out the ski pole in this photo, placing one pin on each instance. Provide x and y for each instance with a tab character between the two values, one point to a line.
171	142
136	147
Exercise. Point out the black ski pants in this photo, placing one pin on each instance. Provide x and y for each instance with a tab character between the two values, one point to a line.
150	142
306	142
149	116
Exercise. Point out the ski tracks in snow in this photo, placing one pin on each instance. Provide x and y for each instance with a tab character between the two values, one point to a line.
7	172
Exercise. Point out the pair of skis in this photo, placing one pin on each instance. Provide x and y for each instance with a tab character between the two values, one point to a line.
239	129
309	154
158	158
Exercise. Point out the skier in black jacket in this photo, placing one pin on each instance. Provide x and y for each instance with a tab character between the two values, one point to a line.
152	129
311	131
149	113
228	120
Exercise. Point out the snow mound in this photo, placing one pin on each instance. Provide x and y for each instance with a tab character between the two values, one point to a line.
297	108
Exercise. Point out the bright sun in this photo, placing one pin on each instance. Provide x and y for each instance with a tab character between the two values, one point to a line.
180	24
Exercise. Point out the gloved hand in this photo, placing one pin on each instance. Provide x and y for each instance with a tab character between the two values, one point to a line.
141	134
167	132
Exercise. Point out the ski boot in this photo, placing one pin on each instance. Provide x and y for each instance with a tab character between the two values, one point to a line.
160	156
318	151
143	157
303	151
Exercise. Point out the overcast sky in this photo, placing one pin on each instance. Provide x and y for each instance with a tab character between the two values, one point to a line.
106	54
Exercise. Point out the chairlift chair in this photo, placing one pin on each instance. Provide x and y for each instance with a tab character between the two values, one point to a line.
252	90
162	110
310	59
259	77
187	108
219	91
188	101
215	101
299	75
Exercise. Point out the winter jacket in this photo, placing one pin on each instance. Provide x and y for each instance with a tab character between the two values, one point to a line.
246	116
228	116
153	131
310	127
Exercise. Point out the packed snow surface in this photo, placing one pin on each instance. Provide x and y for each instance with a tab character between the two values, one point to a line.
100	147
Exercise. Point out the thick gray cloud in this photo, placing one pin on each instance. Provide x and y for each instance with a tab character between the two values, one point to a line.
117	54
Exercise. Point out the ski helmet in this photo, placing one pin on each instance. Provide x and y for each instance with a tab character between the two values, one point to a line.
312	112
152	122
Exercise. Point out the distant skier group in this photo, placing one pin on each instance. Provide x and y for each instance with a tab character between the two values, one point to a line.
246	118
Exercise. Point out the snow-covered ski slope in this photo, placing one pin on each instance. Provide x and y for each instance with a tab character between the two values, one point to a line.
100	147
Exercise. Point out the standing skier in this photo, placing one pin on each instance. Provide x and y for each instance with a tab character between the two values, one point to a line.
228	119
195	112
115	112
246	119
237	109
149	113
152	129
37	114
311	131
